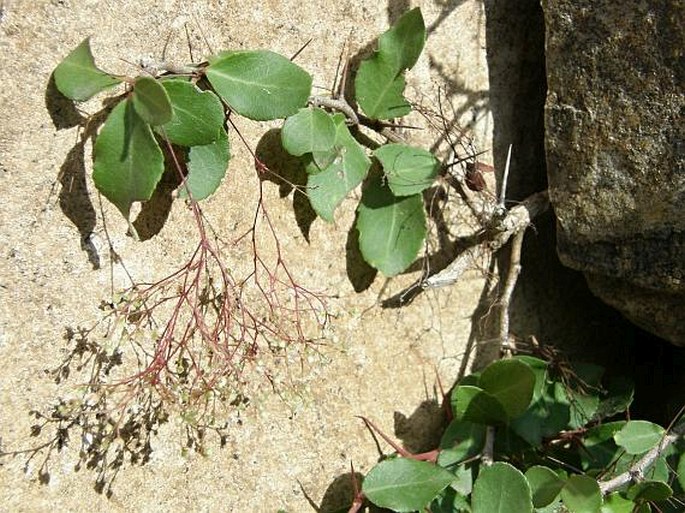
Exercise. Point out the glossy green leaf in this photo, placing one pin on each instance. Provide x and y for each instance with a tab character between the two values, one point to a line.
206	168
581	494
680	471
461	440
403	43
379	90
649	491
78	78
473	404
616	503
151	101
308	131
260	85
408	170
545	485
197	116
511	382
403	484
328	187
128	162
639	436
501	488
391	229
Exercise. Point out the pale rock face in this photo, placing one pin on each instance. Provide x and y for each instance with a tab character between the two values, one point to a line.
615	153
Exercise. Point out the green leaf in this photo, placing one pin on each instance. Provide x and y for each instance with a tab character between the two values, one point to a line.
260	85
328	187
473	404
511	382
403	43
151	101
403	484
501	488
461	440
78	78
545	485
680	472
379	90
616	503
206	168
391	229
308	131
128	162
197	116
639	436
581	494
545	416
649	491
408	170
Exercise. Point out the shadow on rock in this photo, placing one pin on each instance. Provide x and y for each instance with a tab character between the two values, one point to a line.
289	174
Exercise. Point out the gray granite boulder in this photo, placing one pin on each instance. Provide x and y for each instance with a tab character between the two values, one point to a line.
616	151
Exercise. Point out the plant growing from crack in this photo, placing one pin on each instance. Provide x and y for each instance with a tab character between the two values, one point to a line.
536	434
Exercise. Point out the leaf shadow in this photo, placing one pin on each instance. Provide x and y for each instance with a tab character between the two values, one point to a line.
155	211
288	173
74	197
62	111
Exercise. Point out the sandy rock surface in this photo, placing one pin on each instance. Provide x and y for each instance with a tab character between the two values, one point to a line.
290	451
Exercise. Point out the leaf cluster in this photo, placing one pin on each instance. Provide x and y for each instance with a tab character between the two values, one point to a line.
390	216
180	122
556	439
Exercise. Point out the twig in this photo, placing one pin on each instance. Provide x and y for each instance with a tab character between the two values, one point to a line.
517	219
340	105
637	471
505	298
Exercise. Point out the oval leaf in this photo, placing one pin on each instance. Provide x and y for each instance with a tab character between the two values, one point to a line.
403	484
308	131
511	382
680	472
78	78
581	494
473	404
545	485
391	229
128	162
403	43
501	488
639	436
408	170
197	116
649	491
151	101
379	90
260	85
328	187
206	168
461	440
